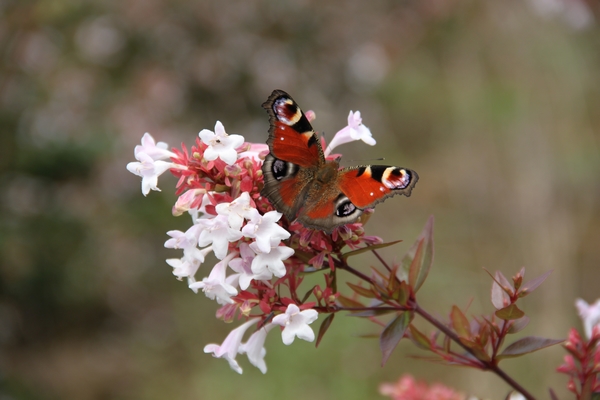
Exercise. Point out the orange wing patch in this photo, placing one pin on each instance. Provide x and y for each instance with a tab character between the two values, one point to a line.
367	186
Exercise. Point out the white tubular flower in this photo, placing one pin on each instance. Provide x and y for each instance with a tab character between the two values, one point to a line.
220	144
187	266
149	170
590	315
243	268
354	131
158	151
231	345
255	348
265	230
218	232
215	286
295	323
265	264
236	211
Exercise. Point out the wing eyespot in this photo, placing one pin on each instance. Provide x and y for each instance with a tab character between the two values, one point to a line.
283	169
345	209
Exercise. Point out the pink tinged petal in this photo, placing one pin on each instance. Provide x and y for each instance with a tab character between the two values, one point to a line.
590	315
185	201
158	151
255	151
149	170
183	268
242	266
215	286
254	348
231	345
220	144
218	232
265	230
357	130
354	131
236	211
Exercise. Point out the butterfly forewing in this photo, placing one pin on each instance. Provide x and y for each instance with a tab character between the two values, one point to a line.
291	136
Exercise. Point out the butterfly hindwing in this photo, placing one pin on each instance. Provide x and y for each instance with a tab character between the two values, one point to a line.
368	185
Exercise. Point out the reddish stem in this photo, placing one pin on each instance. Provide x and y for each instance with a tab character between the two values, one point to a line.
489	365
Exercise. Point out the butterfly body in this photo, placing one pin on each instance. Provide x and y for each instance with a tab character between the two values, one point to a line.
303	185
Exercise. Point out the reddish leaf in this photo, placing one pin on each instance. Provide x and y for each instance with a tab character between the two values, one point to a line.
518	278
447	342
365	292
499	297
348	302
504	282
509	313
527	345
417	268
460	322
519	324
392	334
323	328
493	326
415	264
531	285
476	348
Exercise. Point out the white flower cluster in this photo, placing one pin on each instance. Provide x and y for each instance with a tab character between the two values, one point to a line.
239	236
260	259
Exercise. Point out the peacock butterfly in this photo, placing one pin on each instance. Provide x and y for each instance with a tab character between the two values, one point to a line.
302	185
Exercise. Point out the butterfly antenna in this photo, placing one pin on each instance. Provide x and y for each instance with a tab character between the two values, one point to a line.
368	159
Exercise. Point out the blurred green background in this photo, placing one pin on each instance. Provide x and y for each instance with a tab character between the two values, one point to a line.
496	104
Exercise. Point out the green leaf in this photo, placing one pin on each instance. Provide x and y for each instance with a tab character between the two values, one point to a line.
419	338
369	335
307	295
460	322
346	301
392	334
526	345
371	313
345	256
323	328
362	291
509	313
402	293
419	266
